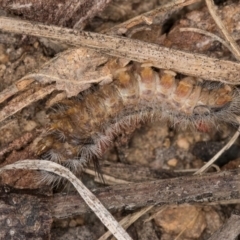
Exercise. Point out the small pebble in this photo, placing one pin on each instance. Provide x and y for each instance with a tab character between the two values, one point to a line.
36	44
4	58
72	223
172	162
183	143
166	143
186	220
29	125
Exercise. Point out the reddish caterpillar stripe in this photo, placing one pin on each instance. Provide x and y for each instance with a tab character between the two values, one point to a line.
84	128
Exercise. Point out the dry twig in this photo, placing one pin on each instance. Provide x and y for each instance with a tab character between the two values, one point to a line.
160	57
226	147
213	36
236	52
128	221
218	187
232	43
158	15
230	230
14	106
192	64
106	218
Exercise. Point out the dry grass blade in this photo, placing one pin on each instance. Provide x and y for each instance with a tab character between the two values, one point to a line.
209	188
236	52
97	207
14	106
233	45
15	88
160	57
109	180
88	9
151	16
74	70
227	146
230	230
128	221
213	36
66	79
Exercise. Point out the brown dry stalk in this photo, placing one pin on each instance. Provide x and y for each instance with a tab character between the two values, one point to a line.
151	16
232	43
230	230
209	34
222	187
14	107
210	189
128	221
15	88
158	56
88	10
55	12
106	218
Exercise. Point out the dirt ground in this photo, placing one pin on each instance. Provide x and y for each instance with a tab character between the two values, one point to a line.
157	146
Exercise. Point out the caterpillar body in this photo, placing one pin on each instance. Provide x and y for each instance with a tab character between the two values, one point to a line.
85	128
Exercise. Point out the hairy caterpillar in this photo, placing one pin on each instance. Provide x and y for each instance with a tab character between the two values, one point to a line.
84	128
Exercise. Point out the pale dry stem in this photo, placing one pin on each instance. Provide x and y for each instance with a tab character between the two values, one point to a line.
160	13
232	43
209	34
97	207
109	180
156	57
161	57
128	221
230	230
149	17
236	52
14	107
14	88
226	147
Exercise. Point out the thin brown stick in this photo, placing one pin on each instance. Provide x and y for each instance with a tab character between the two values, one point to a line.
232	43
128	221
208	188
161	13
230	230
14	107
90	8
161	57
14	88
209	34
107	219
149	17
17	143
236	52
216	156
109	180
